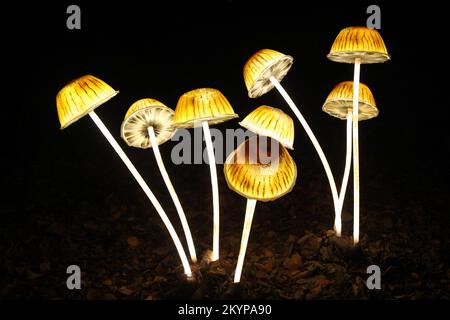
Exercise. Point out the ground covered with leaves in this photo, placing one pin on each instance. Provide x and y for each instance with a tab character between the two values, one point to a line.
107	227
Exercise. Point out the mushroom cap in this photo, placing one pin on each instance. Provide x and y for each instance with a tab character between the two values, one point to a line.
358	42
200	105
261	66
252	178
146	113
80	96
271	122
340	101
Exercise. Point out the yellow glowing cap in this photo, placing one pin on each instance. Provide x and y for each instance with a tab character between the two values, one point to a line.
81	96
146	113
359	42
271	122
261	66
250	176
340	101
200	105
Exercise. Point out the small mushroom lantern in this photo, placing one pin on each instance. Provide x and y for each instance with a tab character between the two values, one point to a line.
271	122
79	98
147	124
204	107
339	104
357	45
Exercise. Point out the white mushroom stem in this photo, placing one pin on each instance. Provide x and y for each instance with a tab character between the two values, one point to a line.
215	190
348	161
356	152
312	137
173	194
249	211
146	189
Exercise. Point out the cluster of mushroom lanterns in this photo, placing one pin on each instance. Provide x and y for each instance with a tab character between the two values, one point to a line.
256	173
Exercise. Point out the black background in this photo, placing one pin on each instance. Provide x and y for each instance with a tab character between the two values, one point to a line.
163	50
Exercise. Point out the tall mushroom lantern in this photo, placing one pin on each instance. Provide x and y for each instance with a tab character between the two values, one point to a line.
263	71
339	104
261	172
79	98
147	124
357	45
202	108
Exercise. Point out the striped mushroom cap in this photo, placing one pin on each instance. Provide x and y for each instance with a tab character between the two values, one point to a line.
261	66
271	122
146	113
340	101
81	96
262	174
359	42
200	105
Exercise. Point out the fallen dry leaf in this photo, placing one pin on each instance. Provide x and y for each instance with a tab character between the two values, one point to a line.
125	291
133	242
294	262
107	282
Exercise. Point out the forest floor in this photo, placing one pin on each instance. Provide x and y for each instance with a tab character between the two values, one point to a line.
124	251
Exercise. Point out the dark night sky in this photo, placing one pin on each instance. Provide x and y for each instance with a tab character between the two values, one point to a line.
149	50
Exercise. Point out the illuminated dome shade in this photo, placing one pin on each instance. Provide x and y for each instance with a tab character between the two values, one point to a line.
261	66
81	96
200	105
146	113
246	175
359	42
340	101
271	122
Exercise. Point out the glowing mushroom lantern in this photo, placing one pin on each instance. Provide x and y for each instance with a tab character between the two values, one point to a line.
204	107
79	98
259	172
357	45
147	124
339	104
263	71
255	180
271	122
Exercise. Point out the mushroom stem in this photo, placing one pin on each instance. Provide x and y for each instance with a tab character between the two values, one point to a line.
250	209
146	189
173	194
356	151
318	148
348	160
215	190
